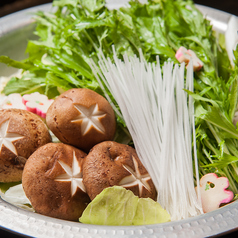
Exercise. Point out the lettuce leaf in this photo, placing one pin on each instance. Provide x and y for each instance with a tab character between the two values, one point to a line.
116	206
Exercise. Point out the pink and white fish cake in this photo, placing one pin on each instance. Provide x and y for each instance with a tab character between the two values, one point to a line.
37	103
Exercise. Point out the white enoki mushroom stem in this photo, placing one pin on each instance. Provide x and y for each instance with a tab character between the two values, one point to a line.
159	116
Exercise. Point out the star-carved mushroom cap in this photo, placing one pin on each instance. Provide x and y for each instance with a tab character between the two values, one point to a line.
21	133
7	138
82	118
89	117
110	163
136	178
73	174
52	180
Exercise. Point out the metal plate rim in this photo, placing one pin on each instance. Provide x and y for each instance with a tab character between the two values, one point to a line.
31	224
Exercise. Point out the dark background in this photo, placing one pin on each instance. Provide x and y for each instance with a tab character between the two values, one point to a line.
10	6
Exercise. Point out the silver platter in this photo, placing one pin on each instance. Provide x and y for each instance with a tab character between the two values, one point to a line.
15	30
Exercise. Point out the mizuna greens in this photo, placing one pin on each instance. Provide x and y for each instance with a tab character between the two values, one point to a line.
79	29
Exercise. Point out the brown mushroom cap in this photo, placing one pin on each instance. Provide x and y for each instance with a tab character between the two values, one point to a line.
52	181
110	163
82	118
21	133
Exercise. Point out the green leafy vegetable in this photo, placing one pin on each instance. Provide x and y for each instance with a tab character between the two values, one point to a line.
118	206
78	29
14	63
